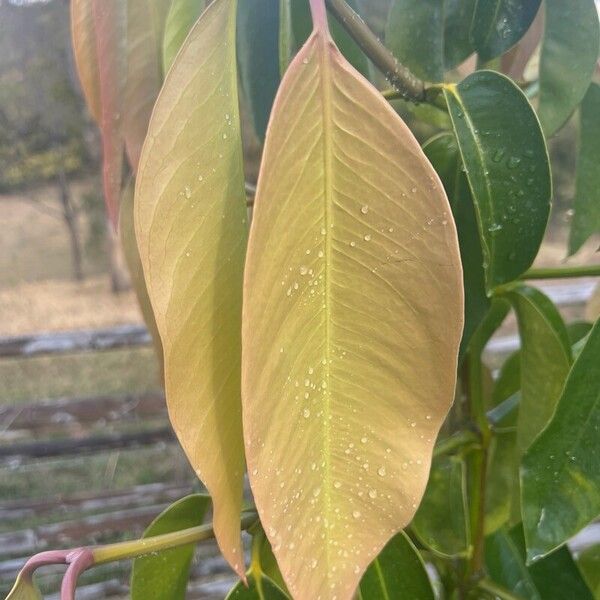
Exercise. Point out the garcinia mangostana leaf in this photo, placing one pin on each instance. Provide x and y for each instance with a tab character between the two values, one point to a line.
352	319
499	24
506	162
560	473
83	34
180	19
588	562
430	36
258	587
442	521
568	59
398	573
24	589
442	151
545	360
164	575
145	27
190	219
586	220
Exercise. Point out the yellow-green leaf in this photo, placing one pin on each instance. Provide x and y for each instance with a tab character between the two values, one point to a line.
24	589
190	219
145	27
353	311
182	15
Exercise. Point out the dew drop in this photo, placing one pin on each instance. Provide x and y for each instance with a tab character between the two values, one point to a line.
306	413
381	471
364	209
368	237
356	514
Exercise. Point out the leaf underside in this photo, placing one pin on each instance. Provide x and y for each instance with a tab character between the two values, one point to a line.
352	319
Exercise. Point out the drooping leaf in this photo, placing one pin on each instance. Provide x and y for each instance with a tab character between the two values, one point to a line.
24	589
586	220
568	58
164	575
182	15
190	218
430	36
134	265
560	473
442	522
500	24
352	263
442	151
296	26
506	567
588	563
110	22
507	166
545	360
145	30
258	43
398	573
83	34
258	588
515	61
556	576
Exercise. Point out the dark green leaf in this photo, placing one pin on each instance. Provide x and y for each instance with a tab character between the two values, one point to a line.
500	24
568	58
586	220
442	151
588	562
508	381
545	360
260	587
490	324
441	523
430	36
506	567
258	42
182	15
556	576
398	573
505	156
296	26
560	473
164	575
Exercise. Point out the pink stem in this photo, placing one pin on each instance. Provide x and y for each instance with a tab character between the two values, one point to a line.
319	15
78	560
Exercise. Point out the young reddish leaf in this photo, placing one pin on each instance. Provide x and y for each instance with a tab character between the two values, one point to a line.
190	213
353	312
145	27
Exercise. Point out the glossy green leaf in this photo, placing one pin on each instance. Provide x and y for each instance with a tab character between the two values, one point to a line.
560	473
492	321
335	292
568	59
545	360
258	39
181	17
588	562
398	573
505	566
190	219
442	151
441	522
508	381
145	28
430	36
164	575
586	220
296	26
259	587
577	331
499	24
136	271
24	589
505	157
556	576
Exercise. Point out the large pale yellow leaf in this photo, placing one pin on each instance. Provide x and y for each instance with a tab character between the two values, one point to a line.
190	220
145	29
352	319
84	49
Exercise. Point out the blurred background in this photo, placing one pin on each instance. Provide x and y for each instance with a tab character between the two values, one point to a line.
86	452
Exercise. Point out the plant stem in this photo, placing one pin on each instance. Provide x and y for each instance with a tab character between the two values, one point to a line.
133	548
489	586
408	85
562	272
461	440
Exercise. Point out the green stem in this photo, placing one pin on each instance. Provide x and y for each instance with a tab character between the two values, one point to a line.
408	85
562	272
495	590
133	548
459	441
